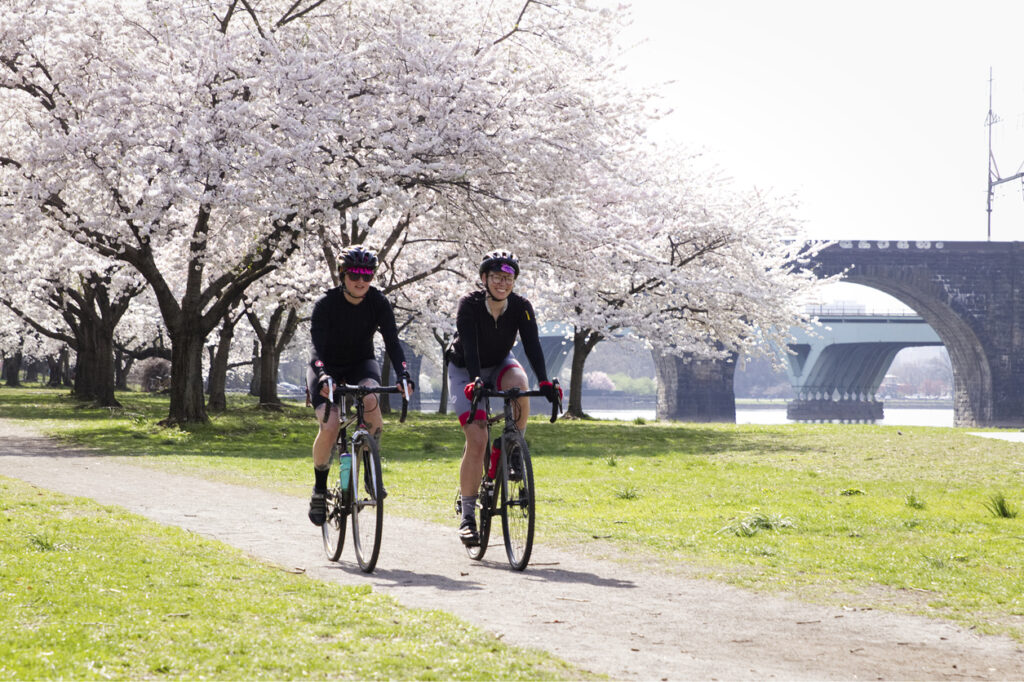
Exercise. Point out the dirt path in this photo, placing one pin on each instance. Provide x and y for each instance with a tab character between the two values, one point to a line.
601	615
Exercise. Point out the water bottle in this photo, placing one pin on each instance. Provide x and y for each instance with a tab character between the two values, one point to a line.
345	469
495	454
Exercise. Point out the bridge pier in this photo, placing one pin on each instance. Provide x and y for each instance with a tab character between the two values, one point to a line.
695	389
826	409
836	370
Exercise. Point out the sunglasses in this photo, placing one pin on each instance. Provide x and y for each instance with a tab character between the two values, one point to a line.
356	274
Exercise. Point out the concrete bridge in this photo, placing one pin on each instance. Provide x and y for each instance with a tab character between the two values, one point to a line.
970	293
836	370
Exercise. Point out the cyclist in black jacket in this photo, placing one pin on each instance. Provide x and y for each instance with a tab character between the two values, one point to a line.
487	323
343	323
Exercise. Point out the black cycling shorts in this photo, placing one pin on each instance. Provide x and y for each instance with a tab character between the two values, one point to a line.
354	374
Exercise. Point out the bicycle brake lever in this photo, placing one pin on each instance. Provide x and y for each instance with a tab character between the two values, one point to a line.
405	401
330	398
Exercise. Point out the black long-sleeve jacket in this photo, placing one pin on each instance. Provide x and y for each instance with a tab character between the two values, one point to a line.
482	341
343	333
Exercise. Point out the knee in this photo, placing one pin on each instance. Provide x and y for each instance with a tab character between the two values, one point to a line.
330	427
514	378
476	436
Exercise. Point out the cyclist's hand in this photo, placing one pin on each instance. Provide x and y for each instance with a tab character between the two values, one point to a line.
325	389
407	378
469	390
551	391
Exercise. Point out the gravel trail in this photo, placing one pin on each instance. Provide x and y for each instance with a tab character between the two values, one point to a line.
628	622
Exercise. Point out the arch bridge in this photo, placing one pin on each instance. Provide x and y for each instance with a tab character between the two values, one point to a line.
972	295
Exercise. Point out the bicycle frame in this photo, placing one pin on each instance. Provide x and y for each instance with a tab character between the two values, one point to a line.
346	500
513	499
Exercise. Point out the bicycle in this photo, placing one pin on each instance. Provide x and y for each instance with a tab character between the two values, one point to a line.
345	498
506	486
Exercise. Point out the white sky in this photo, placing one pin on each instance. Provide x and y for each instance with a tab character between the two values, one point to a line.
871	113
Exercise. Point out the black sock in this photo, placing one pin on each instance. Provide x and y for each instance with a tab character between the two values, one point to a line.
320	479
469	506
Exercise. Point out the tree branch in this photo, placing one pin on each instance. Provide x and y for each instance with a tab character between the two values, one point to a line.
294	12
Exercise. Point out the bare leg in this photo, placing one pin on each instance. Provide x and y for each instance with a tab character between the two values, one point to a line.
325	437
371	411
472	458
516	378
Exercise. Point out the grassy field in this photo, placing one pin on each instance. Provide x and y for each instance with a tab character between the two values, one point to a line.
90	592
907	518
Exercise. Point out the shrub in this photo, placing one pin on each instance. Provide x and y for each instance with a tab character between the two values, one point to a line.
598	381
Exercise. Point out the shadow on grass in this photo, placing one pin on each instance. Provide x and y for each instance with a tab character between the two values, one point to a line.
245	431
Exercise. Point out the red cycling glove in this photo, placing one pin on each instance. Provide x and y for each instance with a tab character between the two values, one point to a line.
550	391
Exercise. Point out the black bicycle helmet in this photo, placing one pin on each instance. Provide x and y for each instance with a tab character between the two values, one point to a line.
495	259
358	257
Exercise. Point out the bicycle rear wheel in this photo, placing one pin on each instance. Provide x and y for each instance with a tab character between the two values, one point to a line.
486	501
368	504
334	528
517	501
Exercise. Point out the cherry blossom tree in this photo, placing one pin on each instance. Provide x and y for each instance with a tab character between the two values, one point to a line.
196	141
680	258
203	142
64	293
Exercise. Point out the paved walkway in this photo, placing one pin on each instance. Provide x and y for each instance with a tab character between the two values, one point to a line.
623	620
1012	436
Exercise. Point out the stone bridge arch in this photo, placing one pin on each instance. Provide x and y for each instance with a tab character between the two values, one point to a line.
969	292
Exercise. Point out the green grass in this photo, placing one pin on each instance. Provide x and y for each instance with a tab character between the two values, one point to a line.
1000	507
91	592
854	514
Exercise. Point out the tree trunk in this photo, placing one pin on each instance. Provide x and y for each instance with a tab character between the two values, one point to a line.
218	379
94	373
84	384
270	360
32	372
66	379
122	368
254	382
187	404
274	338
56	367
583	342
103	390
12	369
443	341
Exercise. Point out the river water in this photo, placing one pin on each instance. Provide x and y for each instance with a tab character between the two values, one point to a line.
896	416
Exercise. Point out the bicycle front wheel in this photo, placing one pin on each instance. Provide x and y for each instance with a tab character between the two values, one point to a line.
517	501
334	527
367	504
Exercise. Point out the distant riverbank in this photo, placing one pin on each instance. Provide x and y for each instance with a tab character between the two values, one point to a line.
607	401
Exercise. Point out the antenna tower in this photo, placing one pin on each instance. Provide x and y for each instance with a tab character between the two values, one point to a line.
993	170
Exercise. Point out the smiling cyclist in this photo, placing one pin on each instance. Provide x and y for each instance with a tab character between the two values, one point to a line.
487	323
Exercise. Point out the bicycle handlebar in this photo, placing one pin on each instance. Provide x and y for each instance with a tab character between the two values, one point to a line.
362	391
511	394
